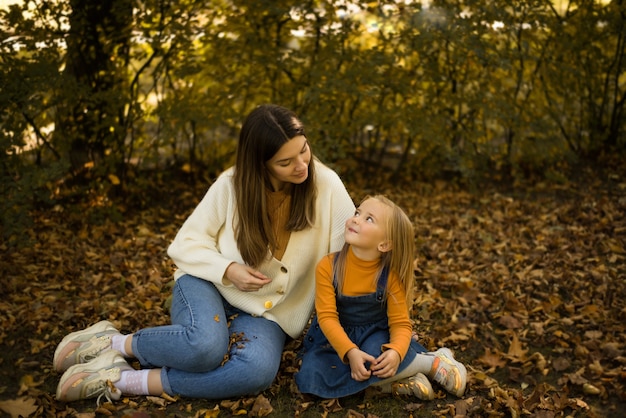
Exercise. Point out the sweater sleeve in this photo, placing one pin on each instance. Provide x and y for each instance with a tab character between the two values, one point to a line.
195	248
326	307
337	202
400	328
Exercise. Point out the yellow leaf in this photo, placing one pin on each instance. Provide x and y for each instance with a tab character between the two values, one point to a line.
615	247
114	179
167	397
589	310
212	413
590	389
26	382
29	381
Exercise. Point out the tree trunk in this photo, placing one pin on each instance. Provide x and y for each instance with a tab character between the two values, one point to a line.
93	96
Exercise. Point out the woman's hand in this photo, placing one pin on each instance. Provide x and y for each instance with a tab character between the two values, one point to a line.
245	278
357	359
386	365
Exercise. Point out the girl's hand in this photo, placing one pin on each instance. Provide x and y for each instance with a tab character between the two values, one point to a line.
357	359
245	278
386	365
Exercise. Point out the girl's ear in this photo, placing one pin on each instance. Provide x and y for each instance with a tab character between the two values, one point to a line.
385	246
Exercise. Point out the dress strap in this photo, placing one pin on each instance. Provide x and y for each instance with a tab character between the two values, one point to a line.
335	283
381	285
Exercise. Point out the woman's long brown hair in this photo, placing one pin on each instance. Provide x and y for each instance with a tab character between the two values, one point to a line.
265	130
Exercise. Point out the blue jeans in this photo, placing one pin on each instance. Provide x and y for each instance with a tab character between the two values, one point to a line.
192	349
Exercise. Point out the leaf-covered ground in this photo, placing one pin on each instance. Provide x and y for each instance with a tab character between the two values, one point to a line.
527	286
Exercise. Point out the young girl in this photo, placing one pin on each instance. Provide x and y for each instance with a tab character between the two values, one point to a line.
246	259
361	334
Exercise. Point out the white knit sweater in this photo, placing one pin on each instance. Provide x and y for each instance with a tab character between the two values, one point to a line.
205	246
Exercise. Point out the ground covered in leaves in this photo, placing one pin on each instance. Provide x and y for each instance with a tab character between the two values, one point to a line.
527	286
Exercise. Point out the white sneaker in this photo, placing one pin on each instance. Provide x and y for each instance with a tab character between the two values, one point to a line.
83	346
448	372
94	379
417	385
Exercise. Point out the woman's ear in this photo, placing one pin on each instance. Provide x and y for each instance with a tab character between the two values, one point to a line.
385	246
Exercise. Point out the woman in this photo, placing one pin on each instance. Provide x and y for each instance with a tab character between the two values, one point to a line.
245	281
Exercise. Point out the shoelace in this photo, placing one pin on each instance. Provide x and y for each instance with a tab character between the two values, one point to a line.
108	390
95	349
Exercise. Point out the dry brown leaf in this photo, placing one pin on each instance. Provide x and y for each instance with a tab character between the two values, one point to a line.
520	272
27	382
510	322
332	405
516	352
20	407
261	407
102	410
492	359
85	415
157	400
229	404
578	403
560	363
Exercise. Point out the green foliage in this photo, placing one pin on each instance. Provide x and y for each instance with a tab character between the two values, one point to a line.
23	190
389	91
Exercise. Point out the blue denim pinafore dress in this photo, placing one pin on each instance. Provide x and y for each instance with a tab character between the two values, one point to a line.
364	319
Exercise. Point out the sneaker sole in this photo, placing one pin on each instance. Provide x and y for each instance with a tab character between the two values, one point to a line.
63	350
74	373
426	392
450	358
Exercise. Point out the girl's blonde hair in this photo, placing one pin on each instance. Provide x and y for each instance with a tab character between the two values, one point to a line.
399	259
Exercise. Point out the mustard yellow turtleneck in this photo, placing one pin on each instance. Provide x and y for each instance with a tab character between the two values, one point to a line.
359	280
278	206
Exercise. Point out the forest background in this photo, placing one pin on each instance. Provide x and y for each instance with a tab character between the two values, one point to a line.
498	125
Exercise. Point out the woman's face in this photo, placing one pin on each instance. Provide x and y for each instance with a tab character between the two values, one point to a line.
290	164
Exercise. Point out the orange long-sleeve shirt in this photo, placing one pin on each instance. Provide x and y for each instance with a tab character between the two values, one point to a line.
360	280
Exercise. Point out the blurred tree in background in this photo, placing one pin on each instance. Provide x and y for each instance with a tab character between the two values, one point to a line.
93	94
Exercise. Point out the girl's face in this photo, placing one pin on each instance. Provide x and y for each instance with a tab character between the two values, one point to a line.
290	164
366	231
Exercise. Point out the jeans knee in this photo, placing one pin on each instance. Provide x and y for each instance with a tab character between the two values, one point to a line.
260	377
204	360
258	382
204	354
